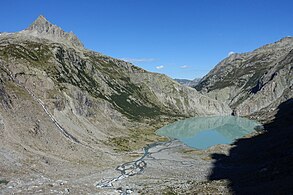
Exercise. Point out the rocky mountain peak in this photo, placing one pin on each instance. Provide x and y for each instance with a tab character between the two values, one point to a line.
288	38
286	41
42	28
41	24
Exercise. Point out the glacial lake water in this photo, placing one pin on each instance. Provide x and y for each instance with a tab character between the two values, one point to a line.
204	132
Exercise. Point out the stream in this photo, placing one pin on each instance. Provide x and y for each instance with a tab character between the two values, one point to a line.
42	104
128	169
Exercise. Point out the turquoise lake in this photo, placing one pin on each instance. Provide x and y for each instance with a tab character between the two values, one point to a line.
204	132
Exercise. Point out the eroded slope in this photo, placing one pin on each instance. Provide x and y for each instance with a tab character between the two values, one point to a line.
253	83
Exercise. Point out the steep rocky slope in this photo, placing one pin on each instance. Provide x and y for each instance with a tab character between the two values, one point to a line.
253	83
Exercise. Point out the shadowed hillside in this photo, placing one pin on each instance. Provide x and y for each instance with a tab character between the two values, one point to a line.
262	164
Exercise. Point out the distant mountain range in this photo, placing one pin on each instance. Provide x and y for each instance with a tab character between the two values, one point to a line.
187	82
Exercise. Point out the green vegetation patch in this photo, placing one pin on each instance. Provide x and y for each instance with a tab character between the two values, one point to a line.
136	139
132	109
35	53
169	191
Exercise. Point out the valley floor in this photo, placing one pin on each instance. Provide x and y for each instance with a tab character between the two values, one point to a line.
168	165
259	164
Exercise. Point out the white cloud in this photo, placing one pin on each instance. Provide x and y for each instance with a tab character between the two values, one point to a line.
184	66
159	67
135	60
230	53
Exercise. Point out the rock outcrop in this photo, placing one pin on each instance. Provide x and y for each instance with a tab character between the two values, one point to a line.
253	83
41	28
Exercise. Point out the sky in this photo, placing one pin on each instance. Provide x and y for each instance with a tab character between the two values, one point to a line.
179	38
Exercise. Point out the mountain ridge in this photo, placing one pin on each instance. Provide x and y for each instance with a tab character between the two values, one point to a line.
253	83
42	28
188	82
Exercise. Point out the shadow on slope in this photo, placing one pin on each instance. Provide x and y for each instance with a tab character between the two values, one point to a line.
262	164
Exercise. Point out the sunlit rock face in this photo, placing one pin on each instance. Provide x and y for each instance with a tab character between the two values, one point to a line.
253	83
42	28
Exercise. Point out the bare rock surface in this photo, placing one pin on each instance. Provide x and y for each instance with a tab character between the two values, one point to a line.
41	28
255	82
166	165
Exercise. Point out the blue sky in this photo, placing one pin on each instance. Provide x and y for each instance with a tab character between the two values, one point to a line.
180	38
